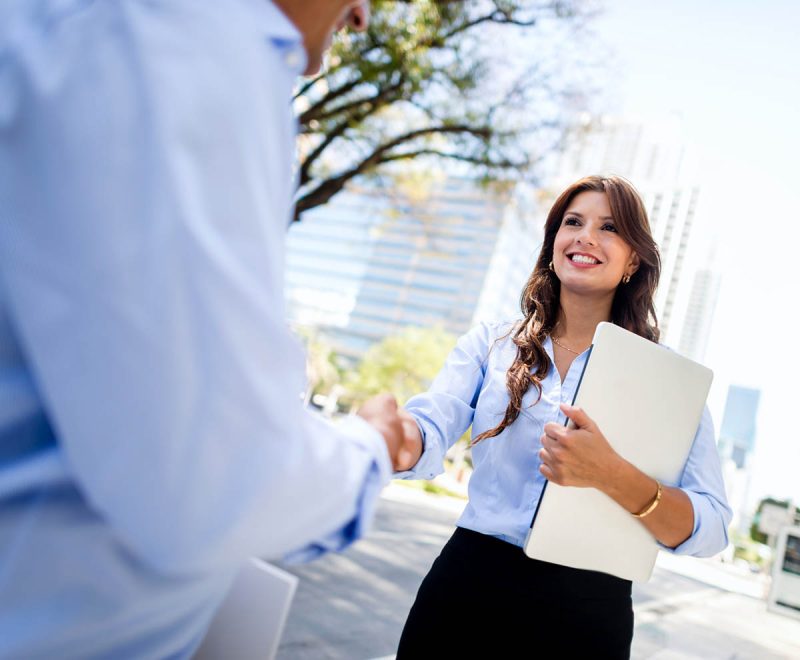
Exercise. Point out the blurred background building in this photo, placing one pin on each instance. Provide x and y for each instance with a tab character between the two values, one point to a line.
699	313
737	441
737	435
374	261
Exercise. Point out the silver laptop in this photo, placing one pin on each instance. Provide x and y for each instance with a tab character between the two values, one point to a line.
250	621
647	401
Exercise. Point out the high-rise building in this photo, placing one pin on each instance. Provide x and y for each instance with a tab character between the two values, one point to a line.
737	439
654	156
699	313
737	435
372	261
516	251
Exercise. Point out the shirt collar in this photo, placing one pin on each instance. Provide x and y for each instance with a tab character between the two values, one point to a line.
286	37
279	27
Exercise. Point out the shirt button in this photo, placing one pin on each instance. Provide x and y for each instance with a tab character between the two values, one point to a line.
293	59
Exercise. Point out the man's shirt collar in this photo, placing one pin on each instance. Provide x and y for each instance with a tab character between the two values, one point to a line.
285	35
279	27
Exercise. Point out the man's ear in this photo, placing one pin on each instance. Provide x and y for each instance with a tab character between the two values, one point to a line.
358	16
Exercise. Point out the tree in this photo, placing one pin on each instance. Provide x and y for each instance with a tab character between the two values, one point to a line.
792	516
403	364
428	80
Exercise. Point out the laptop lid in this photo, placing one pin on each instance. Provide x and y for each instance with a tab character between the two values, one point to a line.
249	623
647	400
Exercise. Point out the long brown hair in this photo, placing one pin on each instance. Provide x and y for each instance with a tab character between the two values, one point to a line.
632	308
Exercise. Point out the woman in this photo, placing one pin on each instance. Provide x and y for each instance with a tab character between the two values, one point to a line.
511	382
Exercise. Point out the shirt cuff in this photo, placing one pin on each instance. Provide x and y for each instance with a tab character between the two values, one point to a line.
429	464
378	475
702	542
367	436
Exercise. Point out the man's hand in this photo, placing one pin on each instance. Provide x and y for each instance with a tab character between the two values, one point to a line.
399	430
381	412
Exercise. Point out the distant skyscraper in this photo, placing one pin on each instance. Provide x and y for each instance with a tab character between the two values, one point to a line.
737	435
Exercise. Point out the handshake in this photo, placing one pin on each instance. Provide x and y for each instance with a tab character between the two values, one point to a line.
399	430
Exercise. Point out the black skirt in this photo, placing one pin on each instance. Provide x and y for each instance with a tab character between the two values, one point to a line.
484	596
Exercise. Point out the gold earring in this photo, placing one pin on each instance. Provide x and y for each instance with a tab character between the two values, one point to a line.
551	267
626	279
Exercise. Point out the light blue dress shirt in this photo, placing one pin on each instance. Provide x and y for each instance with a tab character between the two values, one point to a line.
152	435
506	484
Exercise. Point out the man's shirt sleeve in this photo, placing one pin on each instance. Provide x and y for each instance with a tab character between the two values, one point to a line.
145	193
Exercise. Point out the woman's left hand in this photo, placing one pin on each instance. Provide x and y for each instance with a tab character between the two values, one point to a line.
580	456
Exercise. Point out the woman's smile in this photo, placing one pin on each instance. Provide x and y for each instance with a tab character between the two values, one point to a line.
583	260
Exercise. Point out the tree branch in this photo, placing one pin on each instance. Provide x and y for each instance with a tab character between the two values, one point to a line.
313	111
309	84
370	106
474	160
380	99
328	188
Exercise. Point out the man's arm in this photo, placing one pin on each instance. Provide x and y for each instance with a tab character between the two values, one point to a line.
145	193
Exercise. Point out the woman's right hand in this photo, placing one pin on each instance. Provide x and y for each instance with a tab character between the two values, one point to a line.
411	448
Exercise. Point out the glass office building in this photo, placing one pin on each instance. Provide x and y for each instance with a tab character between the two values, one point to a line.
372	261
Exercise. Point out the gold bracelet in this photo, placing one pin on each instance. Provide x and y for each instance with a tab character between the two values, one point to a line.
650	507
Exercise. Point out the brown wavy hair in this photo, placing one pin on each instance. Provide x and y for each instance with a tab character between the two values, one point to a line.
632	308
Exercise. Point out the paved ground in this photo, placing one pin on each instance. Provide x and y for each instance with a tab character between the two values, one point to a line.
352	606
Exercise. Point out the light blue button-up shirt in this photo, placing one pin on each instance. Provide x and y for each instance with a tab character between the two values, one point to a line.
152	435
506	484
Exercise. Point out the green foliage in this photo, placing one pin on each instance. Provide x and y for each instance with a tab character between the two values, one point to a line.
757	536
436	79
403	364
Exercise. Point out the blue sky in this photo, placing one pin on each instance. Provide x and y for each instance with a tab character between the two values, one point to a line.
730	71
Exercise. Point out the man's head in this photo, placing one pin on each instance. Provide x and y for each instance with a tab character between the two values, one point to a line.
318	20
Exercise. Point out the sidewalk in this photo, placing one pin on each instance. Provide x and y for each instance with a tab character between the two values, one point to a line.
713	624
352	606
692	608
727	619
717	574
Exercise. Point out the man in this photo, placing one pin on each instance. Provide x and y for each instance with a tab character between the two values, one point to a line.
152	436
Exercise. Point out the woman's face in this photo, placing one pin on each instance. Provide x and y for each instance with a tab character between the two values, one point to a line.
589	256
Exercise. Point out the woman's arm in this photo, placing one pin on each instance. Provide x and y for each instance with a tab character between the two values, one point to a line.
443	413
692	518
671	521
